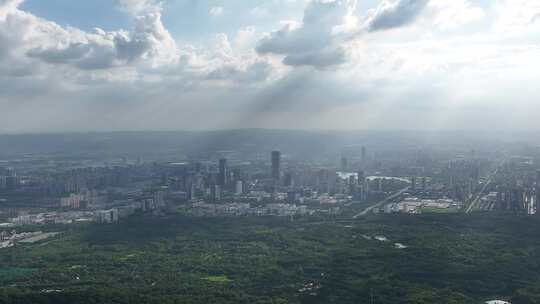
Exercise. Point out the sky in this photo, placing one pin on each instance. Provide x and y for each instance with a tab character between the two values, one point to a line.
115	65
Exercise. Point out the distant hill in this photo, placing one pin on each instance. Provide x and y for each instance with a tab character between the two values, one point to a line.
252	140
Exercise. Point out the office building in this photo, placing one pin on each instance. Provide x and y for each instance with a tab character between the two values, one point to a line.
222	174
276	163
239	190
288	180
344	164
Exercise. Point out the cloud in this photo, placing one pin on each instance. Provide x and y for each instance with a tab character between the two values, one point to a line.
394	14
320	59
8	6
328	28
224	66
248	72
259	12
448	15
149	41
216	11
136	7
517	15
318	40
33	48
246	37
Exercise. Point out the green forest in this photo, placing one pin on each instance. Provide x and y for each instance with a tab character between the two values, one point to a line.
432	258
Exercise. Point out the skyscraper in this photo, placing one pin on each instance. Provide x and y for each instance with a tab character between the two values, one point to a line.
215	192
362	185
360	178
344	164
288	180
239	189
222	175
276	160
352	185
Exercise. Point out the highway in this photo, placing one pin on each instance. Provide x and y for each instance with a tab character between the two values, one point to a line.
391	197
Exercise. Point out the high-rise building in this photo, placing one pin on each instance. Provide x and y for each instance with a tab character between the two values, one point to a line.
239	189
72	201
344	164
363	185
237	175
537	190
365	190
276	160
215	192
159	199
222	175
192	191
291	196
352	185
107	216
361	178
288	180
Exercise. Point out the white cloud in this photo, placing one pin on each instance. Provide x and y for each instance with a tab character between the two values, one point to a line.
149	42
139	6
216	11
246	37
329	28
260	12
8	6
447	15
149	45
318	40
517	15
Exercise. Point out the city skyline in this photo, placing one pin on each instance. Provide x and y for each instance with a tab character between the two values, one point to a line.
269	151
213	65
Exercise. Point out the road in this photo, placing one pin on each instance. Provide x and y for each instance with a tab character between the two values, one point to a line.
473	204
391	197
